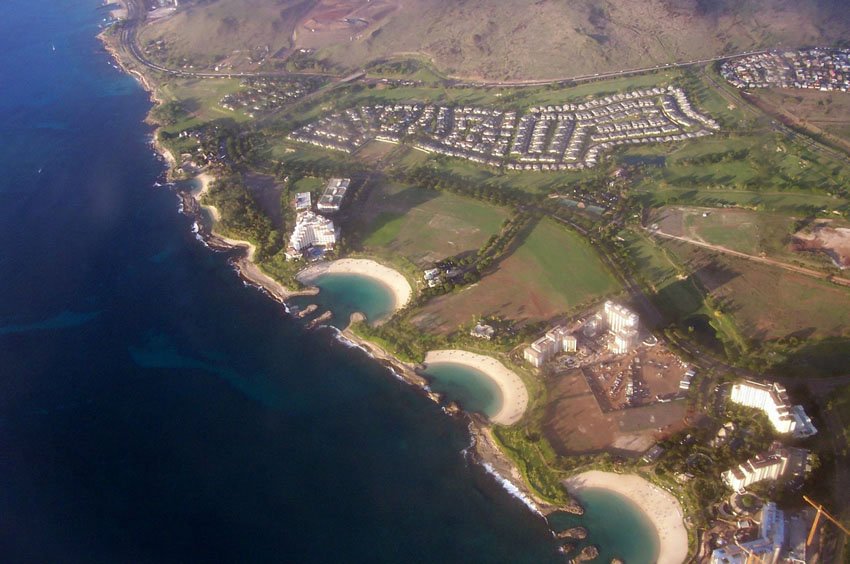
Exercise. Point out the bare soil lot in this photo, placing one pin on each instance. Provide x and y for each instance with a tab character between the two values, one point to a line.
575	424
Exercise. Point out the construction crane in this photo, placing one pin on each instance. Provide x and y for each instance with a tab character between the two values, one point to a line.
821	511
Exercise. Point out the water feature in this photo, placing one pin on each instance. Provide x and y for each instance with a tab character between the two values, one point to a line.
615	524
344	294
471	389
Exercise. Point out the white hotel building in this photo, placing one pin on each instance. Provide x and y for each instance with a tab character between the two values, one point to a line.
773	400
769	466
623	325
554	342
311	229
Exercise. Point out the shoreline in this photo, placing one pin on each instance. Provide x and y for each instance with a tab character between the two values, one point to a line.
660	507
390	278
514	392
483	450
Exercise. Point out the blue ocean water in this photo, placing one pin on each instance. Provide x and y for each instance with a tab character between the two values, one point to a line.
471	389
152	407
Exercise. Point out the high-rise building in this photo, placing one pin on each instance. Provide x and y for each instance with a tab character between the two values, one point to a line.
772	399
618	317
311	229
622	325
776	463
554	342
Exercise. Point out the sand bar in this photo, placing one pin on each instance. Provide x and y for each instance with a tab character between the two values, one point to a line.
514	394
392	279
661	507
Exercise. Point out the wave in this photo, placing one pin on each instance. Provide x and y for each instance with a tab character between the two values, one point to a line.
348	343
511	488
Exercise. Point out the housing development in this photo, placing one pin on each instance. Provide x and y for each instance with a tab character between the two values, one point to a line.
552	137
815	69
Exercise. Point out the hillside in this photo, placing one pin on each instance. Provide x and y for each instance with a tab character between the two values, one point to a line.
491	38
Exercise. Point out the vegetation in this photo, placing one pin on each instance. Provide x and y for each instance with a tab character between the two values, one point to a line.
169	113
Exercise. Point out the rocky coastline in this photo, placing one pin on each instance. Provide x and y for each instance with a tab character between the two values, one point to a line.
483	450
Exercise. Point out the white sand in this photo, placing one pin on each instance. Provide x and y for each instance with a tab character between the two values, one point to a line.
514	394
661	507
392	279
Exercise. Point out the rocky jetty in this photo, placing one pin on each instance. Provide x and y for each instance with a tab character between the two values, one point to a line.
321	320
578	533
587	553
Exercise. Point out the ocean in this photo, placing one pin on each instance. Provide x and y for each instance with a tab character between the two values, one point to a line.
155	409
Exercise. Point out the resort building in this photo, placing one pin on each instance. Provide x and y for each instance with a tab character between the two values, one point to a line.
303	201
772	399
618	317
622	324
554	342
776	463
311	230
334	194
767	548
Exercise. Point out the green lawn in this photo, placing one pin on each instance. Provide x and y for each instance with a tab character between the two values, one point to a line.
424	225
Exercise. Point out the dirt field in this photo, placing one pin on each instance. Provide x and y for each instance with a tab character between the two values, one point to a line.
554	271
575	424
334	21
833	241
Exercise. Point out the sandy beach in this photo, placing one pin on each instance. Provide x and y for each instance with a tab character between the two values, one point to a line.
661	507
514	394
392	279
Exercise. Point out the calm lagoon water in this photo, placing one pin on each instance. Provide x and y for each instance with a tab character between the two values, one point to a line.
344	294
470	388
616	525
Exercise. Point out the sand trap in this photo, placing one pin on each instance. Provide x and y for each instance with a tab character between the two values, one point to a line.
392	279
514	394
661	507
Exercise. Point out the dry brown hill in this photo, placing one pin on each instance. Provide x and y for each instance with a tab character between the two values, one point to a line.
496	39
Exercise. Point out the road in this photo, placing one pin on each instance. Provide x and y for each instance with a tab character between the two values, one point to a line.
607	75
763	260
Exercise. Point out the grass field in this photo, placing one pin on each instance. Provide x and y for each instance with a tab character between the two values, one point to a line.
754	233
552	272
201	99
768	303
424	225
